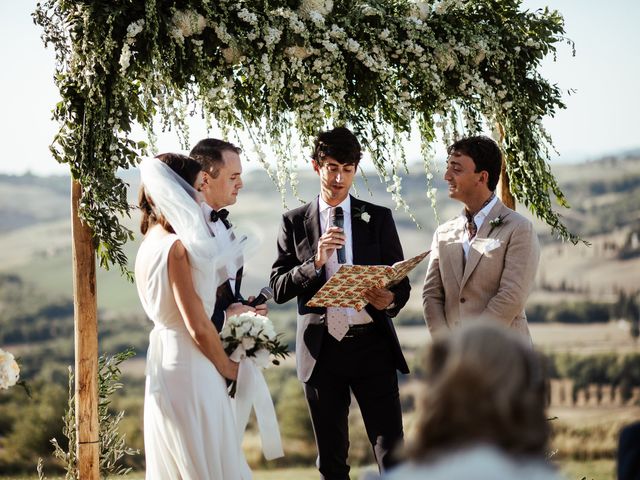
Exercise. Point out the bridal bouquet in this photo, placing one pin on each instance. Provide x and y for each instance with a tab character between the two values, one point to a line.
9	370
251	340
252	336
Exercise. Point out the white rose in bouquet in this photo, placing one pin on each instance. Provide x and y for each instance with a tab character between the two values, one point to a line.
252	336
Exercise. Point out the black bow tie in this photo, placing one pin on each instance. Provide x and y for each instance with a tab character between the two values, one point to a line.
222	216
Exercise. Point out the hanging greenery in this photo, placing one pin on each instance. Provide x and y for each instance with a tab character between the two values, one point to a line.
285	69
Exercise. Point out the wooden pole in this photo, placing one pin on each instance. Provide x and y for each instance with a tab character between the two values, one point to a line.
503	191
86	342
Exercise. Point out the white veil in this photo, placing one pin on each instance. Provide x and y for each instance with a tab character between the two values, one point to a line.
179	203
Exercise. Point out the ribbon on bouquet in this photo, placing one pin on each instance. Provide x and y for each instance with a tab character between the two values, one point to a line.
252	392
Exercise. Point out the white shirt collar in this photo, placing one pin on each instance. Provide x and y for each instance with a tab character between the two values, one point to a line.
483	213
206	209
345	204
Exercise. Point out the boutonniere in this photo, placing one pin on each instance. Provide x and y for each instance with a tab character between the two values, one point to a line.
496	222
362	214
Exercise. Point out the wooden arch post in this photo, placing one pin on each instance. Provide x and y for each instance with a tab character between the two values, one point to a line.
503	190
85	308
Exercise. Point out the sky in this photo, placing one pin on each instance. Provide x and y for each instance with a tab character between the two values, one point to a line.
600	119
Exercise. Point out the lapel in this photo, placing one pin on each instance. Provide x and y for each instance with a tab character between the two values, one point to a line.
359	233
455	252
312	226
485	231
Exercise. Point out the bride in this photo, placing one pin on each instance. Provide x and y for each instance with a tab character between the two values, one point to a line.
189	427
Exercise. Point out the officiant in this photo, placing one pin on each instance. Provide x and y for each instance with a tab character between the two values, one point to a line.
340	351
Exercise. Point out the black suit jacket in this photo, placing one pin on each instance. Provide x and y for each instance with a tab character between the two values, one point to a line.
293	274
225	296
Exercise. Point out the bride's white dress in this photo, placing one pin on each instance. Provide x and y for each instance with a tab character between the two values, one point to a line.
189	425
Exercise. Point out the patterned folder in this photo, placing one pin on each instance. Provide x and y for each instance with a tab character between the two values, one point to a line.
344	289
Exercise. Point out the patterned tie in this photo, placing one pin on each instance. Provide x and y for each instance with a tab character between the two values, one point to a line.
472	228
337	318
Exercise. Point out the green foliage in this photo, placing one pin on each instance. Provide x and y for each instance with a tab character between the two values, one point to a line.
284	70
607	369
292	412
570	312
28	424
112	443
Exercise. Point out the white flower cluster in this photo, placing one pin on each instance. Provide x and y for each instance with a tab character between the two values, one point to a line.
312	9
9	370
186	23
132	31
249	335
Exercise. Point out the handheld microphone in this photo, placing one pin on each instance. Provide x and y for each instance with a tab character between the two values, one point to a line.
265	294
338	221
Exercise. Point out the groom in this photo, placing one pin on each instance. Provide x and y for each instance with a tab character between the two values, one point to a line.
482	263
340	351
221	183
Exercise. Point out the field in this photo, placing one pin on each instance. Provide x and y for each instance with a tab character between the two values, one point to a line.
592	470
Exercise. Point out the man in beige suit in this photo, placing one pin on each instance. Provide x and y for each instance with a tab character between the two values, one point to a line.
482	263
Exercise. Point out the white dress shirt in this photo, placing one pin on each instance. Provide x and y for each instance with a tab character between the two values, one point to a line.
479	219
221	232
326	214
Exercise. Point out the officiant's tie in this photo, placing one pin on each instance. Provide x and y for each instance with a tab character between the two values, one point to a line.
337	317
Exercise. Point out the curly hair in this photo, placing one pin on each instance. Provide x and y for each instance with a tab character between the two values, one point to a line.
484	384
339	144
485	153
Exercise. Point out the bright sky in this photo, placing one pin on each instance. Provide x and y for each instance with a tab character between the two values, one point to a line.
601	117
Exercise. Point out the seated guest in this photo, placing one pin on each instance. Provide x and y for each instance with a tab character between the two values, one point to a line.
483	413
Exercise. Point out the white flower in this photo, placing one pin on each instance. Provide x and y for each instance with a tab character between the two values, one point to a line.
187	23
309	7
232	55
297	52
365	217
9	370
248	343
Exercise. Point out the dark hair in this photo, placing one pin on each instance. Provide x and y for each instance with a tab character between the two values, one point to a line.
340	144
474	395
485	153
188	170
208	153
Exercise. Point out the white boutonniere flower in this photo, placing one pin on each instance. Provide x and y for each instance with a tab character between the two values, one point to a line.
496	222
362	214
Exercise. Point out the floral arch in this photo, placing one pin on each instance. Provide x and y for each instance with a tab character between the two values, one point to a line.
284	69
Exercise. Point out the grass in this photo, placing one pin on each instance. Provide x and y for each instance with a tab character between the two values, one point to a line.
572	470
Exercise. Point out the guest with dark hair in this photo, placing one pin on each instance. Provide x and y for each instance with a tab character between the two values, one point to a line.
483	262
483	413
341	351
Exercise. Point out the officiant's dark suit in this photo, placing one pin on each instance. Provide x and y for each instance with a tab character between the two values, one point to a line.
222	180
365	360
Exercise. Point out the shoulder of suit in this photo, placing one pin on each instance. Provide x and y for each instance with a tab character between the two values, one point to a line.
356	203
296	212
449	224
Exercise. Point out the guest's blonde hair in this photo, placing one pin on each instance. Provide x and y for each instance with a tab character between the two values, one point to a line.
485	384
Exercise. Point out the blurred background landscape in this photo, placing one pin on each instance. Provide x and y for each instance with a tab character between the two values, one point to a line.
584	314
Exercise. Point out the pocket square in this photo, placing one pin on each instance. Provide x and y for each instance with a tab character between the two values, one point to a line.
486	245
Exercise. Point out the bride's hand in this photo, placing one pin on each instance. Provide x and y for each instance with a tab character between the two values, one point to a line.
231	370
237	309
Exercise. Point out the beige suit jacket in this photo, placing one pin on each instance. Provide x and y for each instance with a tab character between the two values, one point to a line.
496	279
